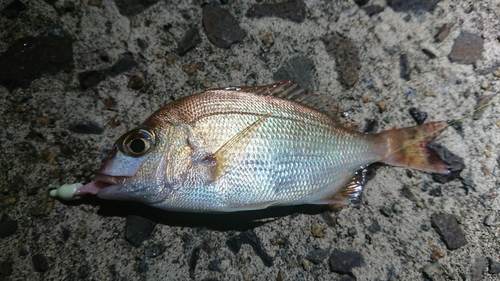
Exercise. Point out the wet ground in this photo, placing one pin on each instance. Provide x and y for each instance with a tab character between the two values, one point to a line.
75	75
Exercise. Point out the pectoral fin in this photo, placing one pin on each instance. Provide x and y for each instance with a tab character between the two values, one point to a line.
232	153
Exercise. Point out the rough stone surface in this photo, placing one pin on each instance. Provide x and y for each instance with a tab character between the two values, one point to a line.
39	153
447	227
467	48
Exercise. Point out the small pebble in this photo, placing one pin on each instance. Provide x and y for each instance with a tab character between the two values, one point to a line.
317	230
486	85
494	266
318	255
433	271
497	73
425	227
352	231
305	265
155	250
281	275
437	254
490	220
344	262
7	226
491	194
382	106
84	271
135	82
443	32
386	210
138	229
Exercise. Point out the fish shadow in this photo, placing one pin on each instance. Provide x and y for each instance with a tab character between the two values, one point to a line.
239	221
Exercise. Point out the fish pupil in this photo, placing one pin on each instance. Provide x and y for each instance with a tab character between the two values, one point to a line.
137	145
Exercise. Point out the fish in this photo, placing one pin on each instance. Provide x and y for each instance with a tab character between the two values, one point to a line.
253	147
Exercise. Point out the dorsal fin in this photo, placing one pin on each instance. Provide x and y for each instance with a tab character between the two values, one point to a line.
289	90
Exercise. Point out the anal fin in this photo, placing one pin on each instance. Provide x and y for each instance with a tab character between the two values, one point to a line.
351	192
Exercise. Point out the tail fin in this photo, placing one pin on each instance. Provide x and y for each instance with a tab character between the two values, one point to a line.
407	147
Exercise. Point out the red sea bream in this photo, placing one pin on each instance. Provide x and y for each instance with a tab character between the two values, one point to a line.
249	148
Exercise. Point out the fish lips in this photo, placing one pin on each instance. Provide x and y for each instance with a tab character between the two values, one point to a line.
103	186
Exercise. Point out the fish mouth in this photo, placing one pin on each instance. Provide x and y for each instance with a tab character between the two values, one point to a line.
101	184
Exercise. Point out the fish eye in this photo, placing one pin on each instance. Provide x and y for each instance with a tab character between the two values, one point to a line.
137	142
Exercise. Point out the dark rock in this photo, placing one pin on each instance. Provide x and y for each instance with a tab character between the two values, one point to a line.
404	67
40	263
143	44
406	192
373	10
28	58
86	128
195	255
124	64
65	233
190	40
371	126
131	8
36	136
447	227
429	54
83	271
346	56
90	78
467	48
213	265
298	69
142	266
138	229
424	227
343	262
412	5
361	2
104	56
221	27
494	266
13	10
478	267
456	163
135	82
292	10
5	269
436	192
318	255
155	250
249	237
443	32
7	226
374	227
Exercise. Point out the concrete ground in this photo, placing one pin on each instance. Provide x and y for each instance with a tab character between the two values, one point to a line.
76	74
